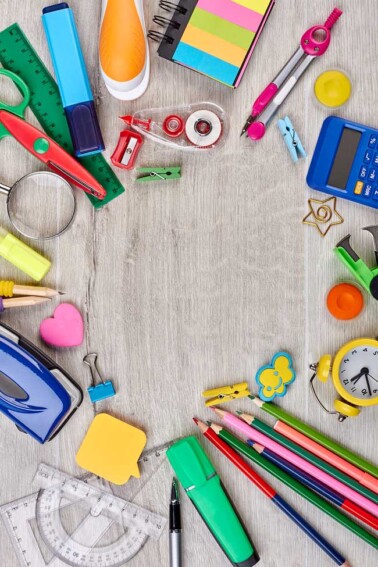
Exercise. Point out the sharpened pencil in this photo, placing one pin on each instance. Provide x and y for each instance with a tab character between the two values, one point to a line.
310	432
9	289
310	457
299	488
269	491
317	486
301	463
21	302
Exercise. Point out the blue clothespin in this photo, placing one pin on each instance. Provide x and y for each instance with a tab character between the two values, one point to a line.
98	392
291	139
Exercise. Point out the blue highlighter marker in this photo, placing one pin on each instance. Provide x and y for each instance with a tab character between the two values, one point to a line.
72	77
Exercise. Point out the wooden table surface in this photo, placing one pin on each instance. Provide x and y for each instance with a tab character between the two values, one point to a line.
194	284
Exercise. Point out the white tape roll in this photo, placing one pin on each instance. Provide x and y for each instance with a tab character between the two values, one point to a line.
203	128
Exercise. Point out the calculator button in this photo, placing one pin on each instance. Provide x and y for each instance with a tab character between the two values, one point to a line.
363	172
373	174
375	194
369	156
373	141
358	188
368	190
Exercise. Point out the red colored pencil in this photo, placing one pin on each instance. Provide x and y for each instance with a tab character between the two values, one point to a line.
269	491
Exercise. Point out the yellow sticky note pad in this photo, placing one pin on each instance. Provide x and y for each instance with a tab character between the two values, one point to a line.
259	6
111	449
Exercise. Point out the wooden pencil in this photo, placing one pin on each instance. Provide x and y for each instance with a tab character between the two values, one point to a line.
299	488
270	492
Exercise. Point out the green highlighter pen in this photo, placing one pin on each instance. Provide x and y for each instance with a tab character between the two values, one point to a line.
203	486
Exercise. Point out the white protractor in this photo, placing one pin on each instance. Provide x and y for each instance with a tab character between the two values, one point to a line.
102	535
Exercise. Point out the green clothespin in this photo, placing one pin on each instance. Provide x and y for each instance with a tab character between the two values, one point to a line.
158	173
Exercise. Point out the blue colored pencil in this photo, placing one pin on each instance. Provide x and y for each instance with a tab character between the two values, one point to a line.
316	486
214	434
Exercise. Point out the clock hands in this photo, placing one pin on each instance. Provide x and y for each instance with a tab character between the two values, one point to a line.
368	383
356	378
372	377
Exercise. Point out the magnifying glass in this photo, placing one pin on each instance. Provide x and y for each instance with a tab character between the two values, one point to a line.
40	205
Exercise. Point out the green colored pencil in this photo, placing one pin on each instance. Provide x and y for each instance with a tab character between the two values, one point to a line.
307	494
280	414
310	457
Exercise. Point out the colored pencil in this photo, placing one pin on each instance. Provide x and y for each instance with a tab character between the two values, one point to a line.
317	486
301	463
9	289
310	432
310	457
266	489
364	478
21	302
299	488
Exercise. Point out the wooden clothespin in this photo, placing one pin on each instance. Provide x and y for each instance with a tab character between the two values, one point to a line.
158	173
226	394
291	139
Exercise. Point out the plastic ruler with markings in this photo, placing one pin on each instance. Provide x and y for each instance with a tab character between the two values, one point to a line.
105	530
18	55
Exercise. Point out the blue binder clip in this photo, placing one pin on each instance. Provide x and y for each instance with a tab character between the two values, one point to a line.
97	392
291	139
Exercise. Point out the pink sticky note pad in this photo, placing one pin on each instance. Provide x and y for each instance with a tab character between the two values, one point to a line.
65	328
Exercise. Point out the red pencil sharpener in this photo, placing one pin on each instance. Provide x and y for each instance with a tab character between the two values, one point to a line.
127	149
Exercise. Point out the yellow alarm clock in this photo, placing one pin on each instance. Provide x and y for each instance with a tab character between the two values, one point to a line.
354	374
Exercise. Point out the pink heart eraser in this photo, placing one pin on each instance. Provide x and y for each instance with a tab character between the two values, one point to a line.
65	328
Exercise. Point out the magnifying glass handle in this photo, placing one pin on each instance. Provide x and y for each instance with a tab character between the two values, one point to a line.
4	189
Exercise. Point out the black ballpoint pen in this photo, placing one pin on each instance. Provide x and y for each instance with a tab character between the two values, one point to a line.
175	558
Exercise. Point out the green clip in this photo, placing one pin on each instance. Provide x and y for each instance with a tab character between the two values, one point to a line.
158	173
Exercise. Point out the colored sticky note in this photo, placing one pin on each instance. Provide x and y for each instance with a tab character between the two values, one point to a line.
111	449
214	45
221	28
232	12
206	64
259	6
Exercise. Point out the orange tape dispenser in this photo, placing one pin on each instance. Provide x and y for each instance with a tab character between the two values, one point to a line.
124	55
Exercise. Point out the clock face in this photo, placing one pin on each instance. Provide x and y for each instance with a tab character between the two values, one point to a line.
358	372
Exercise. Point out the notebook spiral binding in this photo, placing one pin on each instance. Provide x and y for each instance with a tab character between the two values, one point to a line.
159	37
172	7
165	22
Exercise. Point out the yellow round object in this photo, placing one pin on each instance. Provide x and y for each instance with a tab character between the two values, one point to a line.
346	409
333	88
324	367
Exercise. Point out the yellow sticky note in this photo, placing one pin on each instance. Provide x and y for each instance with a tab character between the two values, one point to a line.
111	449
259	6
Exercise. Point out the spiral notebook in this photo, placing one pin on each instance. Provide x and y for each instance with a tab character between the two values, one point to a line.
214	37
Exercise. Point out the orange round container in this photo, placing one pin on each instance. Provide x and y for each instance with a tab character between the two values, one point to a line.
345	301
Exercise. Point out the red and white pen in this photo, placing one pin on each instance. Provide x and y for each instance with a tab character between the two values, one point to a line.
314	43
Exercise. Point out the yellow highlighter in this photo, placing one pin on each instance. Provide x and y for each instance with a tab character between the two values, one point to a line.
22	256
123	51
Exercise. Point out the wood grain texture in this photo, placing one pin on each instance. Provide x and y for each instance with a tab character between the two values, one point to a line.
194	284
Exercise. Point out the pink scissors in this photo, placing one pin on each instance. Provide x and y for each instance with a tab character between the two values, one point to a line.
314	43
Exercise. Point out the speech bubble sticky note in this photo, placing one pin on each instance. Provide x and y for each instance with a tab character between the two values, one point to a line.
111	449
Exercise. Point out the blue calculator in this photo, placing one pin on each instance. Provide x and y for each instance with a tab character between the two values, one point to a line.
345	161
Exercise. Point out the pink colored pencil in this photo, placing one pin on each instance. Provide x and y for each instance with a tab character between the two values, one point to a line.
298	461
362	477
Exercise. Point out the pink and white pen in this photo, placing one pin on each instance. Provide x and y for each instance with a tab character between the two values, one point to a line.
314	43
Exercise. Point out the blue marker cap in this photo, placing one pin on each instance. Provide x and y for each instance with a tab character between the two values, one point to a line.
72	77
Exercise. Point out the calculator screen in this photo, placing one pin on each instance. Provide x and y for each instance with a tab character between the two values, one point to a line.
344	158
